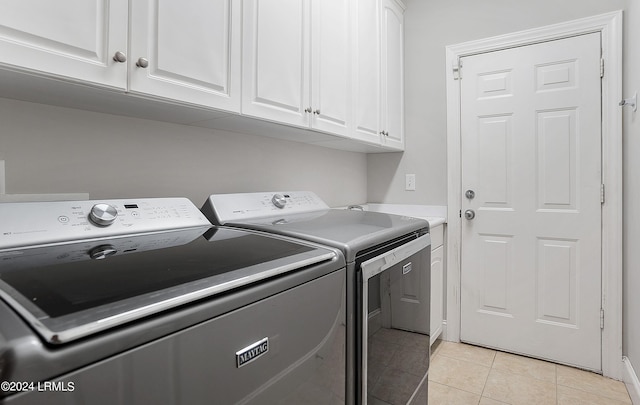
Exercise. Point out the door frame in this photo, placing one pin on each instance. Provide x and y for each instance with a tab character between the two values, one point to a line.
610	27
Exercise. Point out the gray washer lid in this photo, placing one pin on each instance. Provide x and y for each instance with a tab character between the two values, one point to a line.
349	231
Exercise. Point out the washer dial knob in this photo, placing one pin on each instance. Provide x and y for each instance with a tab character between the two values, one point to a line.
103	214
278	200
102	252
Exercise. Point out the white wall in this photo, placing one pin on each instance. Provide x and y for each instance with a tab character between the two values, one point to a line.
631	184
430	25
433	24
50	149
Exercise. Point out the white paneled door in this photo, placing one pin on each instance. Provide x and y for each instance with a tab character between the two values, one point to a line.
531	160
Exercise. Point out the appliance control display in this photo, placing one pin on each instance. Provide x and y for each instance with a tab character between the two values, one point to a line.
36	223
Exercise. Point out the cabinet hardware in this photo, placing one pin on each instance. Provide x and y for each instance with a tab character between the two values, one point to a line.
317	112
142	63
307	110
120	57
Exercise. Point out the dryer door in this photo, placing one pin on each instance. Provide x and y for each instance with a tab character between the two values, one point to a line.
394	320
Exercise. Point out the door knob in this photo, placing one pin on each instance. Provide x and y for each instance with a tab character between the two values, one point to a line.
470	194
469	214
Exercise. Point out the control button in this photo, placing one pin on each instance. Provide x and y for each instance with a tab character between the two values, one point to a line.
135	214
63	219
102	252
103	214
278	200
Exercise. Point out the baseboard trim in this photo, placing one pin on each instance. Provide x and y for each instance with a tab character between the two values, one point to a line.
631	381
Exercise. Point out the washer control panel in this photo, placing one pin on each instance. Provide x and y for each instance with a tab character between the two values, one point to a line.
37	223
225	208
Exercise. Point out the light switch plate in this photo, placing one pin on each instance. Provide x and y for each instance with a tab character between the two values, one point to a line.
410	182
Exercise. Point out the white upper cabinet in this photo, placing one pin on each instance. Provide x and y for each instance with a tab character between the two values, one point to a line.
366	68
189	53
185	54
75	39
275	65
392	117
296	62
378	102
331	66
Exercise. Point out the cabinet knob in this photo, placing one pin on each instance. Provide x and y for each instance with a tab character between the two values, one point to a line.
307	110
317	112
120	57
142	63
384	133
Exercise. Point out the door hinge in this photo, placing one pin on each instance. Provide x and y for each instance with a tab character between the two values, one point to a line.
601	67
460	213
601	193
457	70
601	318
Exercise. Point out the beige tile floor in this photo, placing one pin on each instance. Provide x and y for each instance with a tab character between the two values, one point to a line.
461	374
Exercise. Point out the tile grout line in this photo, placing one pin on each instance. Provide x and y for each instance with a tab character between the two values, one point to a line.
457	388
488	374
555	369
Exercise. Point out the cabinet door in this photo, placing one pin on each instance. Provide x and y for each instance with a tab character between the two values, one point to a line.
392	74
74	39
192	53
366	70
275	65
330	74
437	292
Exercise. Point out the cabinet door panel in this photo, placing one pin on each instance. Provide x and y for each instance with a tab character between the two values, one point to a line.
330	69
75	39
276	60
193	52
437	292
366	68
393	82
